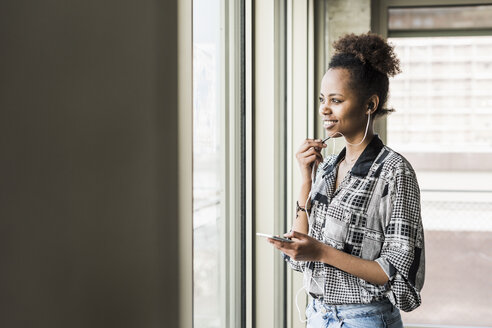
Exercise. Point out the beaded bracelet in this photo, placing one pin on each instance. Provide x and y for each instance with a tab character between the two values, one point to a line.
299	208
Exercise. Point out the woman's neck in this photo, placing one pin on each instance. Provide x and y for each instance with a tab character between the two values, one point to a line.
353	151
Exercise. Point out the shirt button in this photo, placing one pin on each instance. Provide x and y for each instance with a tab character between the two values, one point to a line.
323	310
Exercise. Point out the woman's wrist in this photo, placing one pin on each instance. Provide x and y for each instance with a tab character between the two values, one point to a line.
325	253
300	207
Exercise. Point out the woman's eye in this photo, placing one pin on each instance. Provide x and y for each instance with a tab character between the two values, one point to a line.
321	99
336	101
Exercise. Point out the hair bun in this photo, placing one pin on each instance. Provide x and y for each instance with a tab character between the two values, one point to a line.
371	49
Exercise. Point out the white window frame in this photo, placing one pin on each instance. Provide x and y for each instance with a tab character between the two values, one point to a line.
266	151
184	255
231	166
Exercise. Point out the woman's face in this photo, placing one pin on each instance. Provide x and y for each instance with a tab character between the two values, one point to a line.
340	107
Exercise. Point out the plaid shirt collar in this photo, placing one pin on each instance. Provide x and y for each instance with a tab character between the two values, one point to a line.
365	160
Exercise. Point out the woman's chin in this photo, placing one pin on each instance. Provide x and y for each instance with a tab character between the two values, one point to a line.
333	134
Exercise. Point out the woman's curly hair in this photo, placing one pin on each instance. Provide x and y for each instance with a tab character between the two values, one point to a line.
371	61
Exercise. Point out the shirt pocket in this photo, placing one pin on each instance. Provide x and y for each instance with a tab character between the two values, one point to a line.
335	230
372	244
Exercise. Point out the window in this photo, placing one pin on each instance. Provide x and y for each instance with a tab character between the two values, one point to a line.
443	124
443	96
207	151
217	186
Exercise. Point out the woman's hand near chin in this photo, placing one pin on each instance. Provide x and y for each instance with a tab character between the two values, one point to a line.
308	154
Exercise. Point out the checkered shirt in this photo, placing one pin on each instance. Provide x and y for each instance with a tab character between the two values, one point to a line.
374	215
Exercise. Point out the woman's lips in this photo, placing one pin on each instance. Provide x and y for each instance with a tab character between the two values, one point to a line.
328	124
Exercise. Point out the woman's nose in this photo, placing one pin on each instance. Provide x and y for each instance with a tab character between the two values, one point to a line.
323	109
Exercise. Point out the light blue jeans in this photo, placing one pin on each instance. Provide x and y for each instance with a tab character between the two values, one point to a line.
375	315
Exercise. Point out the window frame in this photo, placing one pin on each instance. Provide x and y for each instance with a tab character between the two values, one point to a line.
379	17
183	256
266	170
231	129
300	122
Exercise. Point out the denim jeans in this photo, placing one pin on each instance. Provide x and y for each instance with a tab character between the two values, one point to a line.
375	315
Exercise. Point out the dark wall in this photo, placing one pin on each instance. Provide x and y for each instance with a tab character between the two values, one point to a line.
88	163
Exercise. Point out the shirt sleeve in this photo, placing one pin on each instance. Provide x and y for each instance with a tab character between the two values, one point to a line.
295	265
402	255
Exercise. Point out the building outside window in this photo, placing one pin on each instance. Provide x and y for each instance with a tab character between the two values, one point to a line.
443	125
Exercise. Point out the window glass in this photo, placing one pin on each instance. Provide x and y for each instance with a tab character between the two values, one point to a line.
444	91
207	151
443	125
432	18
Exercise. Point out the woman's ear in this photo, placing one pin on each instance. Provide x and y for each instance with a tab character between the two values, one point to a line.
372	104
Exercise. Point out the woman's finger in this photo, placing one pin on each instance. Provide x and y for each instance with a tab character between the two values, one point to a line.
311	143
306	145
310	153
309	159
280	244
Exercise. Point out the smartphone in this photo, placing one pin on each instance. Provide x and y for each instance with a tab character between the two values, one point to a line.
274	237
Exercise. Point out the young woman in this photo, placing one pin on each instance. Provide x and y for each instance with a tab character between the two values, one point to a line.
358	235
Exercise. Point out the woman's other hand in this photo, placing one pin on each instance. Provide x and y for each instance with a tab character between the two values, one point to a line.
308	154
306	248
303	247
